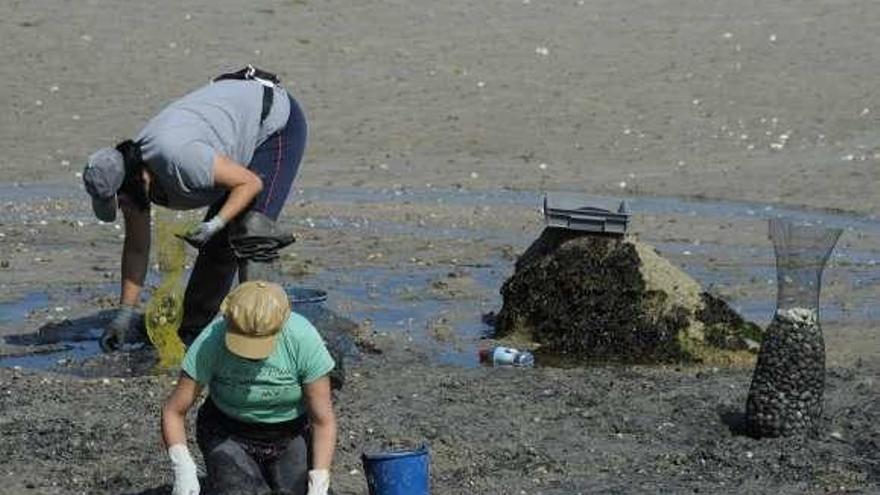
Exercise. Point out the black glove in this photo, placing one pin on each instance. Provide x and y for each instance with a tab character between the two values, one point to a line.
120	330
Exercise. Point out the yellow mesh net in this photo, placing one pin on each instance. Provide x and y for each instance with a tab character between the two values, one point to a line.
165	308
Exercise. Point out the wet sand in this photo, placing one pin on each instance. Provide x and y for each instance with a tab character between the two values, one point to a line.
435	128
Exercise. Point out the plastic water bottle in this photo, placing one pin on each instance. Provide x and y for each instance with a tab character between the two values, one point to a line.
507	356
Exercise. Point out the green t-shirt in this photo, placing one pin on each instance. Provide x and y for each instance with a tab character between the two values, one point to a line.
259	391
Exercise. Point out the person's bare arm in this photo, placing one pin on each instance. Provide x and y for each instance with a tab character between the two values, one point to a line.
243	186
186	477
323	420
176	406
135	253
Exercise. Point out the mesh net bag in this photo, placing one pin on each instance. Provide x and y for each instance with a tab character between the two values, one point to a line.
785	397
801	253
165	308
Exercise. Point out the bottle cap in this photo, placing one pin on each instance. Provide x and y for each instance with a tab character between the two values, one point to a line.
484	355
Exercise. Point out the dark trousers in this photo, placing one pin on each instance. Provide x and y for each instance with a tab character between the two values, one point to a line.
248	461
276	162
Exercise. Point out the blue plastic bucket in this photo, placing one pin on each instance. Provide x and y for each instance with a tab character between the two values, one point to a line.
405	472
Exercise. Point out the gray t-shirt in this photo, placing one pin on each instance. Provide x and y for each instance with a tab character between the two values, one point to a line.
179	144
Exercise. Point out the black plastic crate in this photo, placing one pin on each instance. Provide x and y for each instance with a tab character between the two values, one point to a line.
574	212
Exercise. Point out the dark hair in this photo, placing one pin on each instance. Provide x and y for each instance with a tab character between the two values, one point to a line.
133	185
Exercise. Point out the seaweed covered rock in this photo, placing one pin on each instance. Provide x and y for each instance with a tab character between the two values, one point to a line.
606	298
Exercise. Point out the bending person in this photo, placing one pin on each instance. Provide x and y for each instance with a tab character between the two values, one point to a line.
267	424
234	146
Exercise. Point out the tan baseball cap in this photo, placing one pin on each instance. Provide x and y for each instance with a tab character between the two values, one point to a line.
255	312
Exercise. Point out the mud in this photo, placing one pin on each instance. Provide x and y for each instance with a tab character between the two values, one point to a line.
413	302
435	127
606	430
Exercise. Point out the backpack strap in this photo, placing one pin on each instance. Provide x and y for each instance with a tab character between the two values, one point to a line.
268	97
266	78
251	73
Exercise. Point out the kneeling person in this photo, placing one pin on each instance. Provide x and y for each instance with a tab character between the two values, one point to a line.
267	423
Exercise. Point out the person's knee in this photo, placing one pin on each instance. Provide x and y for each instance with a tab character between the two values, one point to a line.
232	471
289	474
229	456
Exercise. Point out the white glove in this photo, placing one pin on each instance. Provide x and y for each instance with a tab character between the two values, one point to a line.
319	481
186	476
201	233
